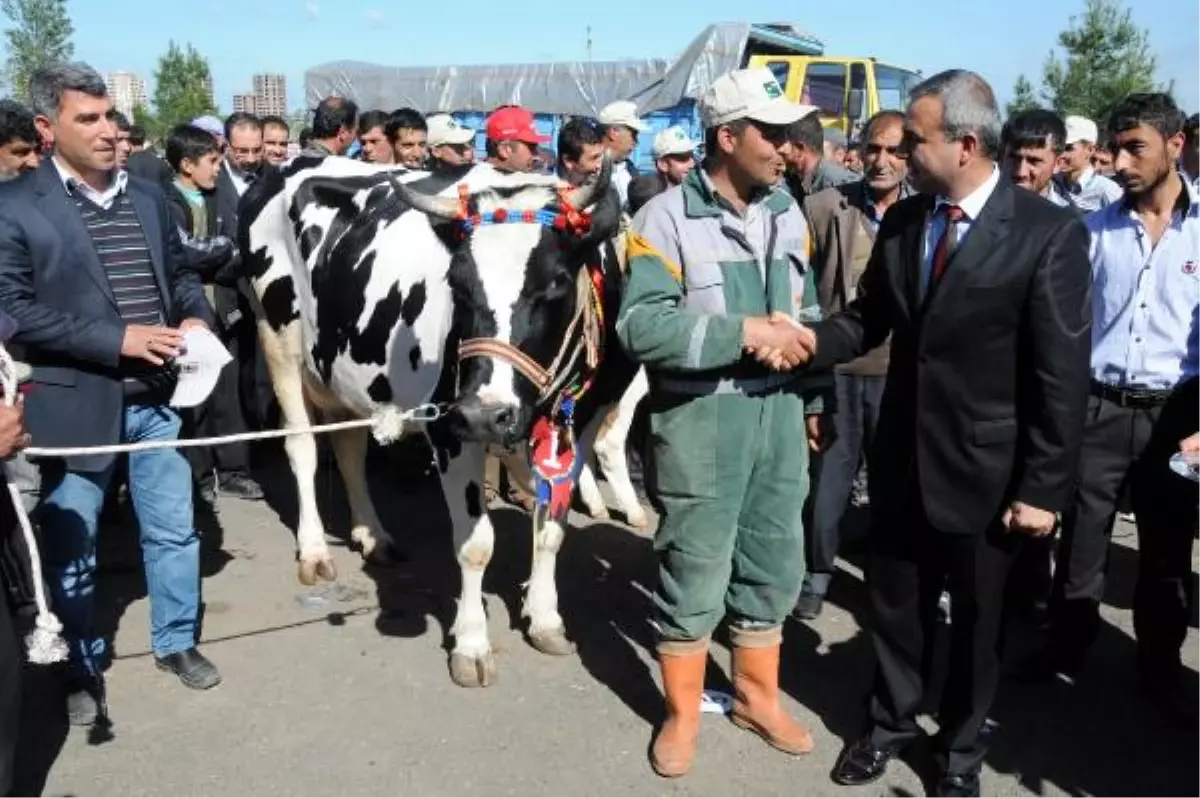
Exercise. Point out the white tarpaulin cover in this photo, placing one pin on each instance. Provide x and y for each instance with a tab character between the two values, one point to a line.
574	87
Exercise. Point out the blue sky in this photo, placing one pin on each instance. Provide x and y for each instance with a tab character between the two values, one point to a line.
242	37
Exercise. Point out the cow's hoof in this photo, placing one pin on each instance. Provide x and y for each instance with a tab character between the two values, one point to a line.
553	642
468	671
314	568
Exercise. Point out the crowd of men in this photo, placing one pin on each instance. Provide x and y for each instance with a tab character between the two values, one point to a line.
997	317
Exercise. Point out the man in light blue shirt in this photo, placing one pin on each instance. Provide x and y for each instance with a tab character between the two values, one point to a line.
1144	252
1088	190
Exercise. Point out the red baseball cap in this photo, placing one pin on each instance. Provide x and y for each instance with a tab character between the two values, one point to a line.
513	123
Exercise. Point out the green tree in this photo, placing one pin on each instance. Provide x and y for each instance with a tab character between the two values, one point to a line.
147	121
1105	57
40	34
182	87
1023	96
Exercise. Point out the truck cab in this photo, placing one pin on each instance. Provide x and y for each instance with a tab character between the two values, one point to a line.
848	91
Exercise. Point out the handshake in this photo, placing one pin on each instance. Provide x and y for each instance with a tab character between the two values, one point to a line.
779	342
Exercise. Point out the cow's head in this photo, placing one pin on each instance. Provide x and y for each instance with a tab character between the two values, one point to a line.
522	245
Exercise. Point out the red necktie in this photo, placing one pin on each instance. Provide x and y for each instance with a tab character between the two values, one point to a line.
945	244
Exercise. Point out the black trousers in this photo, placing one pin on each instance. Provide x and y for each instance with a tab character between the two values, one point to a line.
911	563
1130	447
854	417
220	414
11	655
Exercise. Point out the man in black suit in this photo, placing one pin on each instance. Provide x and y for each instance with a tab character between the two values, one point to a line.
985	291
243	164
89	270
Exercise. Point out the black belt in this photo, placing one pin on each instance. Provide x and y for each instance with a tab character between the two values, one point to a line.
1137	398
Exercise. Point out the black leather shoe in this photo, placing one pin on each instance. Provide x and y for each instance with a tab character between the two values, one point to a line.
241	486
958	784
1049	665
192	668
1168	695
861	763
809	605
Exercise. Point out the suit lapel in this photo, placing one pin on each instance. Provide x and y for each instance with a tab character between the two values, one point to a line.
913	243
58	207
144	206
981	243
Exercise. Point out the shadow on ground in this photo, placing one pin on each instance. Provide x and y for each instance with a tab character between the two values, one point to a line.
1098	737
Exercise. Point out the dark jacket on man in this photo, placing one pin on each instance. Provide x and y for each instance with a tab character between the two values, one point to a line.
988	374
53	284
842	239
149	165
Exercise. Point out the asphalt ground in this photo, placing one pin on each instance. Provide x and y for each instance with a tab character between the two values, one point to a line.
345	690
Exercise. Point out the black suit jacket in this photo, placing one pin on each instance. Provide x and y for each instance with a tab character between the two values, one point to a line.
53	285
148	165
988	379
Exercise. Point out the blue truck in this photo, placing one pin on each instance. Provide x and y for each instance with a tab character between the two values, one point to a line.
846	89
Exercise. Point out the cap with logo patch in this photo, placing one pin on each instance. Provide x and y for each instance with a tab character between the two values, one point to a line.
1080	128
673	141
444	129
749	94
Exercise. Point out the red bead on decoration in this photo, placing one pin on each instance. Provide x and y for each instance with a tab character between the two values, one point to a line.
527	217
499	216
560	222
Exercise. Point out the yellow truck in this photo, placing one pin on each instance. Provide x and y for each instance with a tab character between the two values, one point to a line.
848	90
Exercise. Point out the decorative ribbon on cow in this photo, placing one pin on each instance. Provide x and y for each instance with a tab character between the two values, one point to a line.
553	450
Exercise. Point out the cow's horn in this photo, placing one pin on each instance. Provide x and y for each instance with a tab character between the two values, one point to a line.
594	188
442	207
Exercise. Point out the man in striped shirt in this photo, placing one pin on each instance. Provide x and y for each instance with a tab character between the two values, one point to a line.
91	271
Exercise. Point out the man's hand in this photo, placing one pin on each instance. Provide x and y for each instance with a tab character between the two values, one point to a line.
151	344
193	322
1190	445
13	436
1027	520
779	342
815	428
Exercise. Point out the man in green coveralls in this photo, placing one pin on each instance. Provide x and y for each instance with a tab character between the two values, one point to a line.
718	276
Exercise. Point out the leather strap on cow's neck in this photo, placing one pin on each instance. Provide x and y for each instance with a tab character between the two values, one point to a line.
545	379
500	350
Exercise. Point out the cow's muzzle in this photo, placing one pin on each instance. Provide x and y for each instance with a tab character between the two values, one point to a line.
472	420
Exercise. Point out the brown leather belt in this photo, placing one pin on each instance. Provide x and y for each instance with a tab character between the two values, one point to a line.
1136	398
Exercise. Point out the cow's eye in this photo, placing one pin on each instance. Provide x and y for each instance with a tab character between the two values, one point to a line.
560	283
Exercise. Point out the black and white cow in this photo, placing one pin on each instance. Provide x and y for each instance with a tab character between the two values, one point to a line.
368	281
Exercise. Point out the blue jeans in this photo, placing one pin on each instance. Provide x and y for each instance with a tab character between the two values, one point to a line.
160	483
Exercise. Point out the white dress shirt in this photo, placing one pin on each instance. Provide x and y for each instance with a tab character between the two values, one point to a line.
104	198
972	206
240	181
1146	298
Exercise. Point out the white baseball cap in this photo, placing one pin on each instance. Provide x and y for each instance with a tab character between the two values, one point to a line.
673	141
622	113
443	129
749	94
199	365
1080	128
